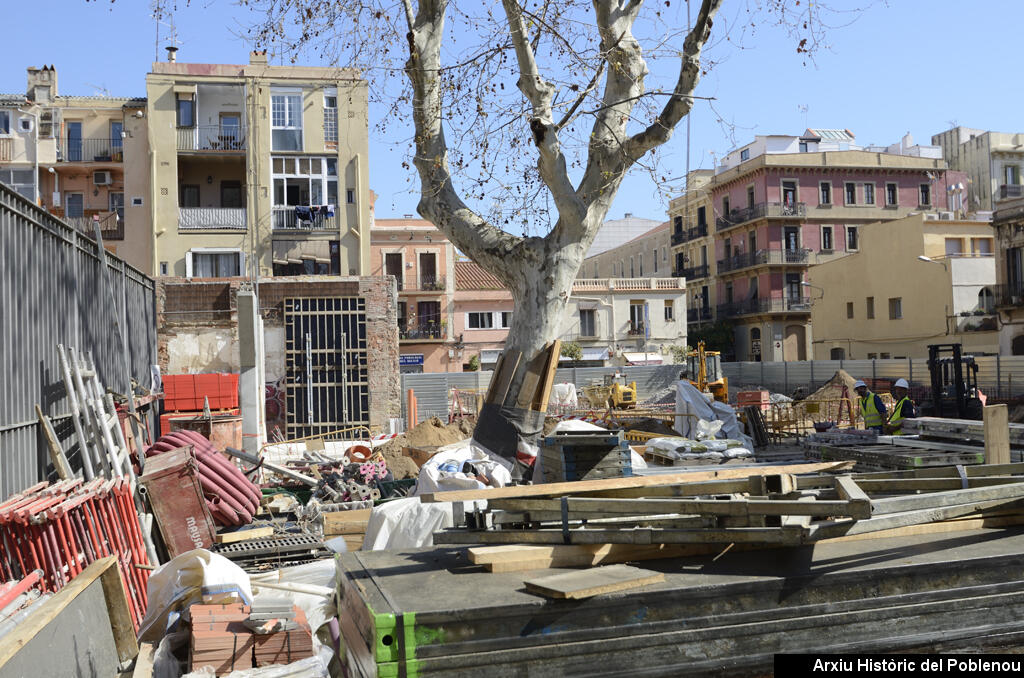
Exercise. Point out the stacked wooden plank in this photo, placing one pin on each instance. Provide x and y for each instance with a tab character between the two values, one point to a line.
769	506
585	455
348	524
895	456
962	433
230	637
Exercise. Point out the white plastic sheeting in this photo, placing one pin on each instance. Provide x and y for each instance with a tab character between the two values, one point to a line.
444	470
692	406
406	524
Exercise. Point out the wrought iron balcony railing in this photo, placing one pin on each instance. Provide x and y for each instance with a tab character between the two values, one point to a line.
766	256
222	138
759	211
71	149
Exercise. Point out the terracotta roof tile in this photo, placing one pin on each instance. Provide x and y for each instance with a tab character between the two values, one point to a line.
469	276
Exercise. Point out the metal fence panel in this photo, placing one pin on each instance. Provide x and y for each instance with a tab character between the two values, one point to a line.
432	391
52	291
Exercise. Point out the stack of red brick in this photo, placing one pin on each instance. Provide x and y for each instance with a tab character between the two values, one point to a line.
184	395
221	639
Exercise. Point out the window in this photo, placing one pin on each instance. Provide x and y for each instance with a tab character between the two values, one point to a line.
231	194
506	319
750	196
702	218
479	320
188	195
825	193
350	196
230	131
789	193
803	146
116	140
1011	175
286	122
331	116
636	316
869	194
21	180
5	122
826	239
186	112
870	308
74	205
223	264
640	257
302	181
664	254
849	310
115	200
745	154
725	206
981	246
670	310
851	193
872	356
891	195
588	322
655	260
632	270
851	238
884	356
677	224
954	246
895	308
163	268
926	194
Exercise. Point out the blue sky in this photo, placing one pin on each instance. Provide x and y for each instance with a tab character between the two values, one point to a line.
901	66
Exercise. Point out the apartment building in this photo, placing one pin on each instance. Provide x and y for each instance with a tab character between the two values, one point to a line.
482	314
913	282
992	160
78	157
781	204
693	246
1008	222
646	255
257	169
422	261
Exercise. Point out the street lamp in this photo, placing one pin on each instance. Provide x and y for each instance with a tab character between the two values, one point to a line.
814	287
933	261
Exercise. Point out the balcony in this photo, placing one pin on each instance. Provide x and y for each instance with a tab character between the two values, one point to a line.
699	315
762	210
695	272
111	225
687	234
764	305
426	283
211	218
764	257
425	332
90	150
1008	191
627	284
216	138
635	329
6	149
287	219
1011	294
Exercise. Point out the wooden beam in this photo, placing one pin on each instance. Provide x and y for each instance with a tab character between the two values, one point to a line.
544	395
997	435
935	500
582	487
592	582
786	535
244	535
690	507
859	503
57	457
144	662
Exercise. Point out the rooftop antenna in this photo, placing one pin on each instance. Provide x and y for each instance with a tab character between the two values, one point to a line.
158	12
101	91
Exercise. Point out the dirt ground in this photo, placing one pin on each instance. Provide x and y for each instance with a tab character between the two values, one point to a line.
430	433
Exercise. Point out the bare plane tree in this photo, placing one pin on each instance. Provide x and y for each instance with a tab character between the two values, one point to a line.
589	123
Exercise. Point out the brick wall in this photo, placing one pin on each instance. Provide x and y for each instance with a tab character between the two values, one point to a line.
198	315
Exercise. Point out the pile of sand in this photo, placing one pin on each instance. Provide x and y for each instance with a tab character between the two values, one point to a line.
430	433
833	388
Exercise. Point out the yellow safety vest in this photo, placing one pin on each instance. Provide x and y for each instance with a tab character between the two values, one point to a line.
872	417
897	416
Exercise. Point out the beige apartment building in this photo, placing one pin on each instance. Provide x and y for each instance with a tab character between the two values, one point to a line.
993	162
82	158
257	170
645	256
885	301
693	246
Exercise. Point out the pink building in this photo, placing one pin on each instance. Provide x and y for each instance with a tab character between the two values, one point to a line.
783	204
483	314
421	259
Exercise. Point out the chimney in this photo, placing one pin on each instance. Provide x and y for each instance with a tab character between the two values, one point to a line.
629	215
258	57
172	54
407	216
42	84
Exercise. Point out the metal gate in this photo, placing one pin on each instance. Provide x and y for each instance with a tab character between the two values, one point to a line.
326	381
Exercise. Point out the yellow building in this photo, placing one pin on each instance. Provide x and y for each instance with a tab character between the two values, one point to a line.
915	281
693	245
257	169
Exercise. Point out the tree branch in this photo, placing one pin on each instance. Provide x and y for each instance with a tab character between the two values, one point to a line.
539	92
679	105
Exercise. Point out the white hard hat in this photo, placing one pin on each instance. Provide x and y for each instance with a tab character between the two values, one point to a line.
901	383
859	383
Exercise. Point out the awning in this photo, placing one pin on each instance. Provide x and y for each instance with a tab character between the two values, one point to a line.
643	358
295	251
590	353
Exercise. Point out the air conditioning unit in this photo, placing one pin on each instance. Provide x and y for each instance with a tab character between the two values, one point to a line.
102	178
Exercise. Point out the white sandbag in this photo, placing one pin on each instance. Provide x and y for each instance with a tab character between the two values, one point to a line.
193	577
690	401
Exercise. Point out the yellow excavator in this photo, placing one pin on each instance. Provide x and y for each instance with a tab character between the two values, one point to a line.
706	366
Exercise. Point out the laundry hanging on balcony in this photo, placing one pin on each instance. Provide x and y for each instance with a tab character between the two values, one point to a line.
313	212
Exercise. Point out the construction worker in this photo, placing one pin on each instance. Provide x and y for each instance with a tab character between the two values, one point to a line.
902	409
871	407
